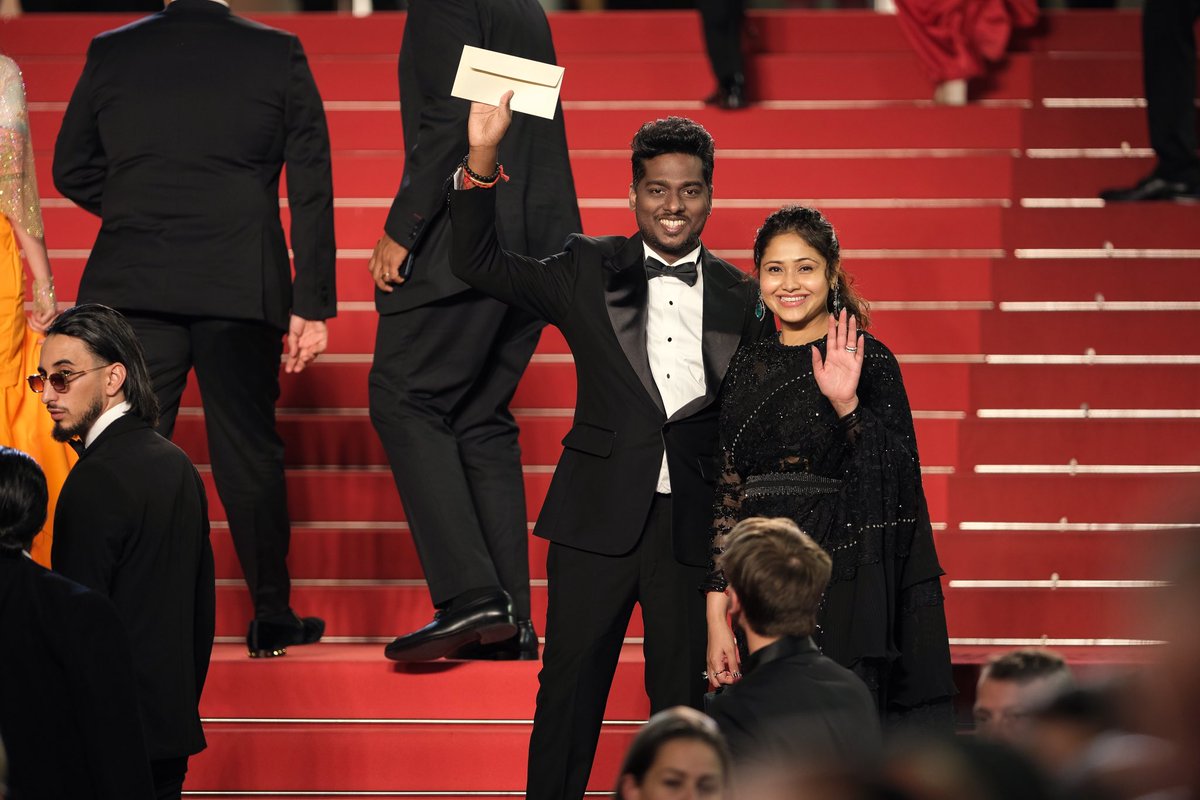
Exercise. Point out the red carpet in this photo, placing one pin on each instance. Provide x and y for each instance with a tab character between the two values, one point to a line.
1048	345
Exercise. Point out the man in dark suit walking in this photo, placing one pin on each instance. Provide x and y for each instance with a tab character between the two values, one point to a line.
132	523
444	420
175	136
68	705
653	321
794	706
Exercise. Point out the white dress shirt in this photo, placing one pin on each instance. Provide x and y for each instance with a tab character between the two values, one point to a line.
674	326
105	419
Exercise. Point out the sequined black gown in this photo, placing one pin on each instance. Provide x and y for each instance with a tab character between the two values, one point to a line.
854	485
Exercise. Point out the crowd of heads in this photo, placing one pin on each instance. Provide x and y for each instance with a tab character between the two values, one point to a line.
1041	729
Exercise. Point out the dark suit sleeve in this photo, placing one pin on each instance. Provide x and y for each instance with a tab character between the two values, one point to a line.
436	33
544	288
105	696
80	163
310	193
206	598
91	528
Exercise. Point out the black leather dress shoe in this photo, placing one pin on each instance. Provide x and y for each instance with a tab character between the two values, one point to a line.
1153	187
521	647
269	637
483	619
730	95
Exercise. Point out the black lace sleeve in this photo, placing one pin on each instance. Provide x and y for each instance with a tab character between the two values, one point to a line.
727	501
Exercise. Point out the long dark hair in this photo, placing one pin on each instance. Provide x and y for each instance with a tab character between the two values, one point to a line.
811	226
110	337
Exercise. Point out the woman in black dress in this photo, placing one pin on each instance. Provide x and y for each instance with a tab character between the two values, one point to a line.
816	426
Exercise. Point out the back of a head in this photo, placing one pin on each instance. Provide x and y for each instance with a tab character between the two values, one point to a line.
672	135
23	500
1026	664
110	337
779	574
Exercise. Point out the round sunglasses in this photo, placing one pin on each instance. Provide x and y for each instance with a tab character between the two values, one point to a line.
58	380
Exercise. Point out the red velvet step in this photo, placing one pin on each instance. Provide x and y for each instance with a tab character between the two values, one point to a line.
1035	554
1053	613
1070	386
411	757
334	383
349	439
1096	279
1090	441
1127	498
1121	225
335	494
1060	177
1116	332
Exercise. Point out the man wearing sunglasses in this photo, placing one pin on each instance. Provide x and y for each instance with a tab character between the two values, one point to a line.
132	523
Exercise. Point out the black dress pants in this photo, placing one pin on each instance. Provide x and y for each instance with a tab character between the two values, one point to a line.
722	21
168	774
440	385
1169	64
591	601
237	368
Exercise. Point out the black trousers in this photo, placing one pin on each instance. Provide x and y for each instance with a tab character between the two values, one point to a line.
237	368
1169	72
440	386
591	601
722	20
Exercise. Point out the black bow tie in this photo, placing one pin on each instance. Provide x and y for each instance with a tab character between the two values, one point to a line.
76	445
685	272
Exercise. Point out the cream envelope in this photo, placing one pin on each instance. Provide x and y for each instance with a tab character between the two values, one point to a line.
484	76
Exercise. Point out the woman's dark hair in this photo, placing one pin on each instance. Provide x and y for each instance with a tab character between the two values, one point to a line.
680	722
672	135
811	226
110	337
23	499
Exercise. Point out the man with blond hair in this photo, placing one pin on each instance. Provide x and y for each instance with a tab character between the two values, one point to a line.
793	703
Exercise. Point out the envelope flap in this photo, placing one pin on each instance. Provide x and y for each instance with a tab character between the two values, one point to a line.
512	68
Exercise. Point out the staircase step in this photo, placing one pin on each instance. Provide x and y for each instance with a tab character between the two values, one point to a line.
1129	332
1053	613
1069	382
1038	554
1095	279
348	438
1087	440
1122	225
1129	498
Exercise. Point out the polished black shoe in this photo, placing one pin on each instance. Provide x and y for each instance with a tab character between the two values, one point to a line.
482	618
523	646
1153	187
730	95
269	637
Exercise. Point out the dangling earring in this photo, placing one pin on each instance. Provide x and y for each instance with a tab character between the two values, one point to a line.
760	310
837	300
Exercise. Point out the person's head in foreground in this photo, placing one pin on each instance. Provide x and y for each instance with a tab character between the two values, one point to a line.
23	500
671	193
679	753
91	362
1012	684
776	576
798	261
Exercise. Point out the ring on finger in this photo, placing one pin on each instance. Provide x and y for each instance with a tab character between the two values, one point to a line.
851	348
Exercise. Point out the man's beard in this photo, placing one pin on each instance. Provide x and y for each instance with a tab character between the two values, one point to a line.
81	427
674	251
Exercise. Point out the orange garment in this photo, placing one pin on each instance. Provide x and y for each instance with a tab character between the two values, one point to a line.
24	424
957	38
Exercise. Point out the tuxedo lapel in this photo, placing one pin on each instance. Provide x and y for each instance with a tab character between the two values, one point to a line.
724	312
626	291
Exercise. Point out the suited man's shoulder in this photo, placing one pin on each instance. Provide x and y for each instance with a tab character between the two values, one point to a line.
604	246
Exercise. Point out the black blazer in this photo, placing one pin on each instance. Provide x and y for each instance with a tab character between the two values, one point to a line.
537	209
68	707
132	524
596	293
795	703
175	136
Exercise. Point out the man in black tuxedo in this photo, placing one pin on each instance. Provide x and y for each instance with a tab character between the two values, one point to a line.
132	524
68	704
444	421
175	136
794	706
653	321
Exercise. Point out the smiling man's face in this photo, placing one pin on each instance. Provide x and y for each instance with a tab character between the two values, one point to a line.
672	202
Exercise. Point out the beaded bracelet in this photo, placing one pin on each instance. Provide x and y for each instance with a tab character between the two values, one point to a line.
481	181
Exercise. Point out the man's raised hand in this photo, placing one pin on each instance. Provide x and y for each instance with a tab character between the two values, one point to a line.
485	128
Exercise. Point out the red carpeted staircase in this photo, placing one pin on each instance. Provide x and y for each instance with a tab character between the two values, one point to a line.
1048	345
